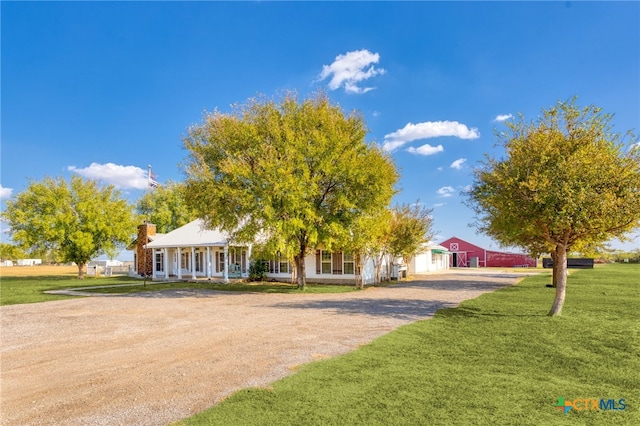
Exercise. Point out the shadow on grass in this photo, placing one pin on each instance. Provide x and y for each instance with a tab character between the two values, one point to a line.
455	284
402	309
470	311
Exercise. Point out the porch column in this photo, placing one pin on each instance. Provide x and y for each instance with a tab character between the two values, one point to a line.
248	260
208	262
166	263
193	263
179	263
225	273
153	265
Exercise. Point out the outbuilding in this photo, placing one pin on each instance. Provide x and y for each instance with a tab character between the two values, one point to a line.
464	254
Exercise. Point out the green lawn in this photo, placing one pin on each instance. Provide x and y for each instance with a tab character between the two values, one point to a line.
495	360
29	289
15	290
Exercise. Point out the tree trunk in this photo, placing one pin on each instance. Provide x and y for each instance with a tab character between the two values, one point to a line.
560	278
300	272
355	271
81	271
376	270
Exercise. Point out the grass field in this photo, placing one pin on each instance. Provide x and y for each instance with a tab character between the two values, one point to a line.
26	284
495	360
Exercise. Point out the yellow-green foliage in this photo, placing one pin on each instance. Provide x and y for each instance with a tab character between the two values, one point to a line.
299	173
565	179
78	220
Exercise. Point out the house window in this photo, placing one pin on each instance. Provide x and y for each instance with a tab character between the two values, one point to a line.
348	264
325	257
221	261
284	266
199	261
185	261
278	266
160	262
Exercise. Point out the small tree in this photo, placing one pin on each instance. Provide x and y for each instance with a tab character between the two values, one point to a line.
369	240
567	182
166	207
77	220
410	230
297	173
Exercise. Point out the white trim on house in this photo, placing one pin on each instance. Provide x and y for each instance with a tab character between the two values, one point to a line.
193	252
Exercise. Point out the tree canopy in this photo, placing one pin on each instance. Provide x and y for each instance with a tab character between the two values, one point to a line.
410	229
297	173
566	181
11	252
165	206
78	220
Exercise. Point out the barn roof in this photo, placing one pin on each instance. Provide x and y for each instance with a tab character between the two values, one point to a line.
446	243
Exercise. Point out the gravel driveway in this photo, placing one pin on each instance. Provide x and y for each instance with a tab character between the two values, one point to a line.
153	358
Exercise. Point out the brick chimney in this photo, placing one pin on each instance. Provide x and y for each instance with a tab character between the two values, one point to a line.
145	256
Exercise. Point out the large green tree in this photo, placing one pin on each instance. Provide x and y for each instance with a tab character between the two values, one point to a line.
294	173
165	207
567	181
78	219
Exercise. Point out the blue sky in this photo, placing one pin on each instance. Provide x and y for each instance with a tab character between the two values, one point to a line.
104	89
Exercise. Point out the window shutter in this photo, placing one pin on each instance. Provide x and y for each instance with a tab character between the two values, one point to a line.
318	263
337	263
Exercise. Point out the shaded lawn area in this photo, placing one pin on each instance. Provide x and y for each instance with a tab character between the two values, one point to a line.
30	289
495	360
270	287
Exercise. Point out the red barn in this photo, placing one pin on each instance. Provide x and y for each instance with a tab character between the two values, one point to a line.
465	254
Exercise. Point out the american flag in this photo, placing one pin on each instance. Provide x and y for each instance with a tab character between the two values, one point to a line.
153	182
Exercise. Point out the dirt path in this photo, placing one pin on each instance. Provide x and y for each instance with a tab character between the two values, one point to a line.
153	358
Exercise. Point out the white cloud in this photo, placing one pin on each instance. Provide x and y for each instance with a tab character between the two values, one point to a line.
503	117
5	192
440	169
350	69
426	130
125	177
446	191
425	149
458	163
439	205
635	146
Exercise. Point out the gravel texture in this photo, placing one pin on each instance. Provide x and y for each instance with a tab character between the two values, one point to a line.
153	358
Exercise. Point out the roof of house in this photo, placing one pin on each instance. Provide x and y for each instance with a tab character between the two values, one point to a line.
132	245
190	235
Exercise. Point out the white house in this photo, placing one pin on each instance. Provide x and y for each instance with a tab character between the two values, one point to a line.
192	252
